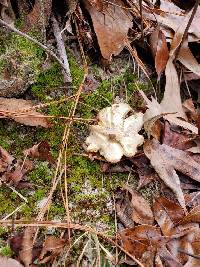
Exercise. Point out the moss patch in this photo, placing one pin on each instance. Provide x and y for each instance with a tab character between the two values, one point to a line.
21	56
90	191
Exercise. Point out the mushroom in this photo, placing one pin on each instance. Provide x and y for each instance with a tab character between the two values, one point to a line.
116	133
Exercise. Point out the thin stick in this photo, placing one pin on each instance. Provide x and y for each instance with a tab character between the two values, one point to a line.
116	253
189	254
44	47
187	27
141	15
23	115
13	212
61	50
16	192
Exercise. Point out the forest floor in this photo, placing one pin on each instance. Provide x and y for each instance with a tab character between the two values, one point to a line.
63	205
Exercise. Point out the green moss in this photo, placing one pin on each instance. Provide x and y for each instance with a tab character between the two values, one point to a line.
8	202
41	174
89	189
47	81
24	56
5	251
50	80
3	230
76	71
57	209
15	137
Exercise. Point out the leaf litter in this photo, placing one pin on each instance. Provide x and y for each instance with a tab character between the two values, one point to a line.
167	232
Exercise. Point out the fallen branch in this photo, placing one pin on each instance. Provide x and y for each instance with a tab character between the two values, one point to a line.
61	50
44	47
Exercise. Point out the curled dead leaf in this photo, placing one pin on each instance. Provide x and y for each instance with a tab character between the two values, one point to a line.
22	111
25	253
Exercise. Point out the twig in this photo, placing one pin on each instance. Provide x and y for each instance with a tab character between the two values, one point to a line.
187	27
13	115
142	26
13	212
189	254
61	50
16	192
44	47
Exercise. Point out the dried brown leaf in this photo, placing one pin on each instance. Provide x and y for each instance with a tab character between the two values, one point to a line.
5	159
192	199
176	139
25	253
186	57
167	213
6	12
166	160
132	207
38	17
160	50
16	173
146	173
155	110
142	242
171	101
12	107
54	246
41	151
171	16
111	27
167	258
8	262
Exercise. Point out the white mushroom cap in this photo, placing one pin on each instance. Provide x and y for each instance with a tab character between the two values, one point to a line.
115	135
